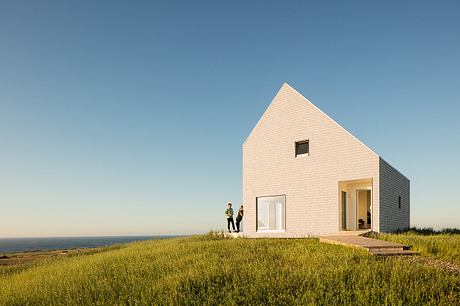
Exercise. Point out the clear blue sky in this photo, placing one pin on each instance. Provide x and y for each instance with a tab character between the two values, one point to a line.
128	117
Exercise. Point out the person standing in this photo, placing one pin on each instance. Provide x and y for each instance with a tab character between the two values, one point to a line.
239	218
229	216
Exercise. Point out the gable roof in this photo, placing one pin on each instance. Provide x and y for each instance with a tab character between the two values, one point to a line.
287	87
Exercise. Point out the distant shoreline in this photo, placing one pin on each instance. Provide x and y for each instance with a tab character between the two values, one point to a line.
19	258
47	244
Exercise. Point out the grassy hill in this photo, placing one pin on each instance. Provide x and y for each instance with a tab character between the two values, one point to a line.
212	270
441	246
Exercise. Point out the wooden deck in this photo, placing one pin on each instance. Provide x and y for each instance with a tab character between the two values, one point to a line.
373	246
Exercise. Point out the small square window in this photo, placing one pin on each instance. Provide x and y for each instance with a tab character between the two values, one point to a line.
302	148
399	202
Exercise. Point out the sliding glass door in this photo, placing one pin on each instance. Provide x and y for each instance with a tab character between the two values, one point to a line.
271	213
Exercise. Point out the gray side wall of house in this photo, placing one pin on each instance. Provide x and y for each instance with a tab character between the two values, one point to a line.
392	186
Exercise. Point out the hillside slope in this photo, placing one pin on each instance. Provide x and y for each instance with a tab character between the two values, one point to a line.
212	270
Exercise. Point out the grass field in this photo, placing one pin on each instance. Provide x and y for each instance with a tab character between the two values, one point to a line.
212	270
443	246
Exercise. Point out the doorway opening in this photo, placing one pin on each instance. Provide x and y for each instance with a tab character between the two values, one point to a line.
355	204
363	200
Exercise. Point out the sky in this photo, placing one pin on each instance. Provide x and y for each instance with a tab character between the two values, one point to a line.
128	117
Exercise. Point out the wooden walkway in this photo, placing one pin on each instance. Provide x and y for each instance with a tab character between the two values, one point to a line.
373	246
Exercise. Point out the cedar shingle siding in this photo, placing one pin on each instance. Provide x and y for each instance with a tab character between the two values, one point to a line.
311	181
392	186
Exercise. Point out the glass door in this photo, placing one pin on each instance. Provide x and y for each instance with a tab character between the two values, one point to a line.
344	210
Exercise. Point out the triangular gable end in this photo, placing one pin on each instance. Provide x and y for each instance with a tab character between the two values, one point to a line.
286	87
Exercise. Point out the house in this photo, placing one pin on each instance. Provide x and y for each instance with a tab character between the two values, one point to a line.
304	174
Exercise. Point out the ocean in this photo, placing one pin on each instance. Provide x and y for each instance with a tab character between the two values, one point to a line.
13	245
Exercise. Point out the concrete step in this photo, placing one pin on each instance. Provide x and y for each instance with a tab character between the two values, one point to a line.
392	252
234	235
386	248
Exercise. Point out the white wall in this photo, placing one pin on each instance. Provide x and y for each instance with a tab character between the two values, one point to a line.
310	183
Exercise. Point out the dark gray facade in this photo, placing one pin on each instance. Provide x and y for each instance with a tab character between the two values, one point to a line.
394	198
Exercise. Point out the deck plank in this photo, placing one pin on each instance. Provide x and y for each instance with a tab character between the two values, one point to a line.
373	246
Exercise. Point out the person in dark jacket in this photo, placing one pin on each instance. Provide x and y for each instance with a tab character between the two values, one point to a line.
239	218
229	216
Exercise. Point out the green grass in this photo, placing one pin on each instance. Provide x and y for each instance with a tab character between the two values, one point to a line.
441	246
211	270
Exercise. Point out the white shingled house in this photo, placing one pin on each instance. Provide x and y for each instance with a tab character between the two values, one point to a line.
304	174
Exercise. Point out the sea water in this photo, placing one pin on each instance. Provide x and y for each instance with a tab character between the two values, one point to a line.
13	245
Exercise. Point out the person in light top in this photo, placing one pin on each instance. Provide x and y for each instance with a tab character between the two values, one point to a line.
229	216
